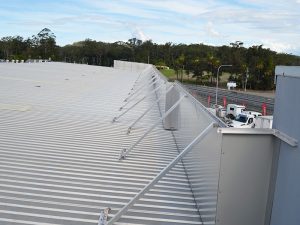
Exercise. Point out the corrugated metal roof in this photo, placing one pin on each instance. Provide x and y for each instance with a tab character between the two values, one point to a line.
59	158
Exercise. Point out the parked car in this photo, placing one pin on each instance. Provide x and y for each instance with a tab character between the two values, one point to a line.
243	121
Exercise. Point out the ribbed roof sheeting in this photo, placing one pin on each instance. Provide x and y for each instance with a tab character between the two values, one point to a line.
59	150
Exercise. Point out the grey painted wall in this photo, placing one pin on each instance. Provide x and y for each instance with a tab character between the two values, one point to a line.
286	205
245	175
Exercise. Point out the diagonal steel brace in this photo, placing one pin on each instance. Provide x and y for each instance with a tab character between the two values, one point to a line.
125	152
187	149
147	110
141	88
135	104
127	102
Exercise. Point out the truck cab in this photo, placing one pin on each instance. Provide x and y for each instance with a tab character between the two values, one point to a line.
233	110
243	121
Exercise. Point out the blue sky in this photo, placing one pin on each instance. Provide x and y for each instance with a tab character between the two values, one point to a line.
275	24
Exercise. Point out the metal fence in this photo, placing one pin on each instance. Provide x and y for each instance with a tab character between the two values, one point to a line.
193	133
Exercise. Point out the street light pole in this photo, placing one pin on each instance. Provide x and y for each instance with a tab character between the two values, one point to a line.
218	81
247	75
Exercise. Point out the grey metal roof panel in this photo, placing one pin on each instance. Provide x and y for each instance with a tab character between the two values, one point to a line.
59	157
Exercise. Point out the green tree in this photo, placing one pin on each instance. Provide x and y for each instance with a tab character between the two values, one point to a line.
199	59
198	68
213	64
45	43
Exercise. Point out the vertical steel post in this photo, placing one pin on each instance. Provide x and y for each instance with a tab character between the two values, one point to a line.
217	84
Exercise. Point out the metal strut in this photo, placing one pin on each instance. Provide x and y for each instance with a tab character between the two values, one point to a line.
147	110
125	152
187	149
149	81
141	74
143	83
103	216
127	102
141	88
135	104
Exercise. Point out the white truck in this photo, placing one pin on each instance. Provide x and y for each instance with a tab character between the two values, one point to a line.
231	85
255	114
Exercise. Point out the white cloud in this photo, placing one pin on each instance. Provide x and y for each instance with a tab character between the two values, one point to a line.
278	46
188	7
139	34
210	30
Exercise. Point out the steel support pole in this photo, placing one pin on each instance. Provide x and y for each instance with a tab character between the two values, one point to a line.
135	104
150	76
125	152
122	107
136	83
103	216
147	110
143	73
187	149
141	88
144	84
217	84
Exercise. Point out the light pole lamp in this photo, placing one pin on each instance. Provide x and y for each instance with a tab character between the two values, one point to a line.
218	81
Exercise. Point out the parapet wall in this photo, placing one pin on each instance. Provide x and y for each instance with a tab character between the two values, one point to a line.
133	66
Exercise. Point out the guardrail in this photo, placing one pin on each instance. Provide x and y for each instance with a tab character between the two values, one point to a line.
193	155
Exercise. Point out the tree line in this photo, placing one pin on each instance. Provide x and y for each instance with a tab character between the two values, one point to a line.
255	64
